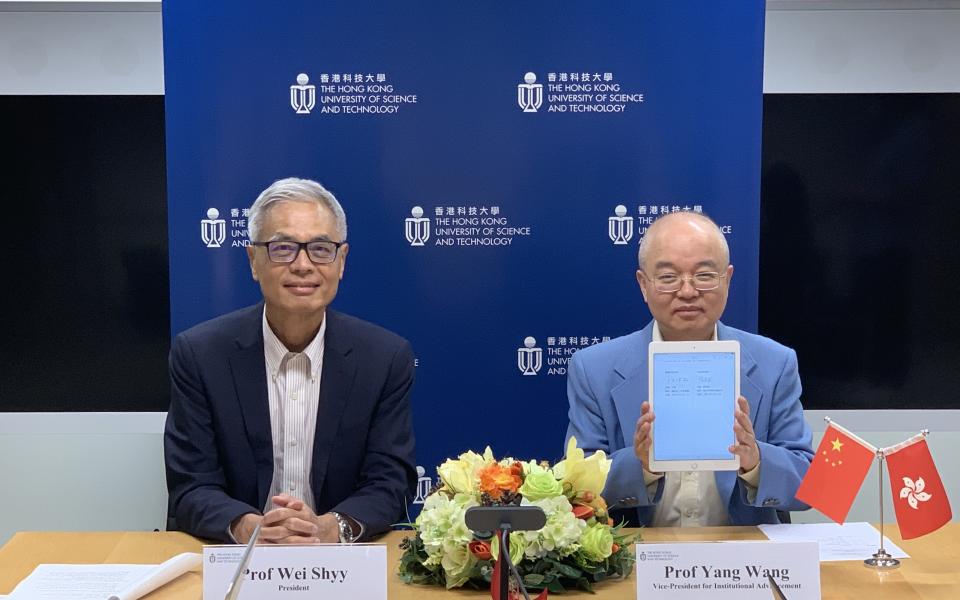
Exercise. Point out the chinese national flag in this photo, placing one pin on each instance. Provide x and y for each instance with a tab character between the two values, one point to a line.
918	496
836	473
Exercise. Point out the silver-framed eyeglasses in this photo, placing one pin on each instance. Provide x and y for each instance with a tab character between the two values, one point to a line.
320	252
704	281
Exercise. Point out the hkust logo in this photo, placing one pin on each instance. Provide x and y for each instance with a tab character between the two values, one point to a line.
529	357
417	227
623	227
303	96
530	93
355	93
424	485
555	354
475	225
213	229
576	92
620	226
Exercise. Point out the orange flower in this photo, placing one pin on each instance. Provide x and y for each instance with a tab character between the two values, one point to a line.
495	480
480	549
581	511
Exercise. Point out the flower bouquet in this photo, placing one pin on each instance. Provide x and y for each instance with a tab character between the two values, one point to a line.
578	546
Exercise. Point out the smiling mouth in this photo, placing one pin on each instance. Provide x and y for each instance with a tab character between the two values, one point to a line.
301	288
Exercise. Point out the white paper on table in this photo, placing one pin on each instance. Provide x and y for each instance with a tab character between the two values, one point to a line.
850	541
162	574
101	582
77	582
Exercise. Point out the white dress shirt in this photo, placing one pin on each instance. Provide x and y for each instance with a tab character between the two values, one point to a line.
293	391
691	498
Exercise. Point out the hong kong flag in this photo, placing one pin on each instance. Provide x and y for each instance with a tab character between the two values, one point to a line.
919	499
836	472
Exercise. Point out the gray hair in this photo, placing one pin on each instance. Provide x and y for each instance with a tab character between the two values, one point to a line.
644	249
297	190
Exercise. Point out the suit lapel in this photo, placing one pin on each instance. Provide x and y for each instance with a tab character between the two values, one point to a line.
250	382
748	365
630	394
336	383
726	480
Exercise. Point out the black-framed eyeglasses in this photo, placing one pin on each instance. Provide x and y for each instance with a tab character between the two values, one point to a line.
320	252
705	281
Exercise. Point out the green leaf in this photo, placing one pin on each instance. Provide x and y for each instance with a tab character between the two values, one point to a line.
556	587
593	569
566	570
533	579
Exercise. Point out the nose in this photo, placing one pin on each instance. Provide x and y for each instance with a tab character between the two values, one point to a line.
686	288
302	262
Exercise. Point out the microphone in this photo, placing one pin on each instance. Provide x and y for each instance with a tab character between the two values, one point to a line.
506	519
234	590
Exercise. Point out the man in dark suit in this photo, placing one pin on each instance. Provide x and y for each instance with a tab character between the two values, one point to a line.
288	414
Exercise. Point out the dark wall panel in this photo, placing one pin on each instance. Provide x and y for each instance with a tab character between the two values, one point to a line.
860	246
86	308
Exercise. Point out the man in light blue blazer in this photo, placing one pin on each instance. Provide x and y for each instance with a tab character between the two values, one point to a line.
684	276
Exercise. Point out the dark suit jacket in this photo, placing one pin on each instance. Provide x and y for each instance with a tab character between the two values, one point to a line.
218	445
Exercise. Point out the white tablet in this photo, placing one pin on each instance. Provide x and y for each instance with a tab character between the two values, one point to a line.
693	393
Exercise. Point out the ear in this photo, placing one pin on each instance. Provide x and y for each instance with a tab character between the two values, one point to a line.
643	282
343	259
729	275
250	257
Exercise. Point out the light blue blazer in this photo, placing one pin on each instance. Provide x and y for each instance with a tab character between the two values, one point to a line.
607	383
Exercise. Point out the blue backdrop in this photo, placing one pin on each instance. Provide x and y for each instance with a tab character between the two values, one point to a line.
498	164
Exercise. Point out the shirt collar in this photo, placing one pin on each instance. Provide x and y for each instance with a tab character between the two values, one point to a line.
275	352
659	338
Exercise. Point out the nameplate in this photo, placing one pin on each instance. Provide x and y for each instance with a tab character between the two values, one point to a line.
278	572
730	570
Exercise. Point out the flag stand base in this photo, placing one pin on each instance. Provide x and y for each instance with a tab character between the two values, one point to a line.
882	561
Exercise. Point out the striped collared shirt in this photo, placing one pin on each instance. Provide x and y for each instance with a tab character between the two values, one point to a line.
293	390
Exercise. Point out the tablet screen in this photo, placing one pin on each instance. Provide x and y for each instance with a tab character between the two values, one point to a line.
694	396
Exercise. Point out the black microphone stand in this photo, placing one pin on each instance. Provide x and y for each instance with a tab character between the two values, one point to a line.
503	520
504	559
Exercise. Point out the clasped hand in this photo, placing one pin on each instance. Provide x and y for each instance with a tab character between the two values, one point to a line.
746	442
291	522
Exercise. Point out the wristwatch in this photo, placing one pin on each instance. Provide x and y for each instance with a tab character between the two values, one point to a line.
346	531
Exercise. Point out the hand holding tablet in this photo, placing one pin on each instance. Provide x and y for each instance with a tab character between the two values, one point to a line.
745	447
641	436
701	422
746	444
